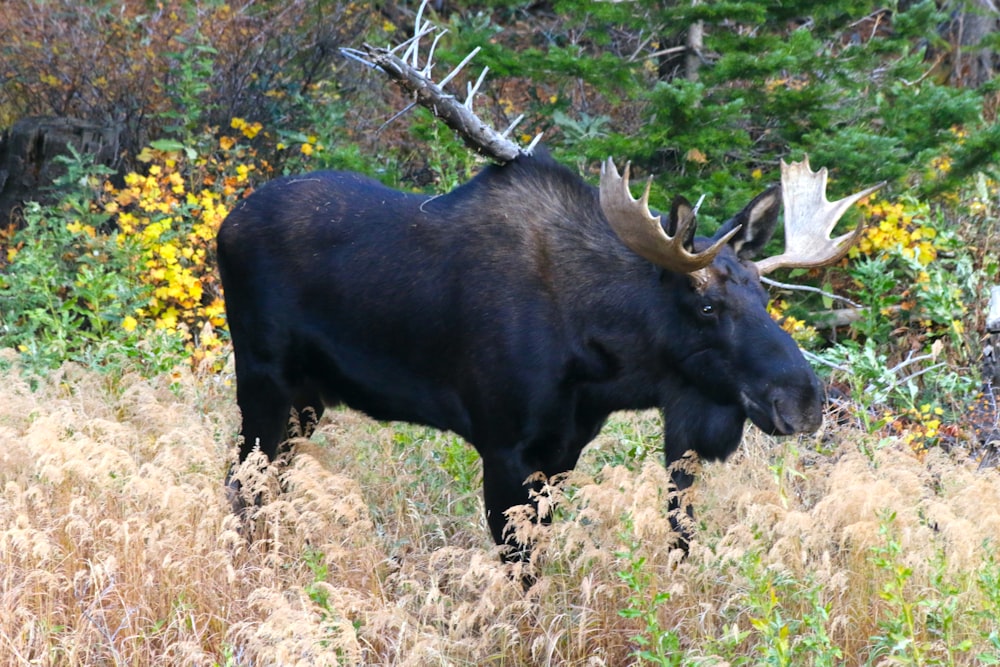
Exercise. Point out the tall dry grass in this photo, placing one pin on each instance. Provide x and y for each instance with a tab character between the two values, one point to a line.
117	546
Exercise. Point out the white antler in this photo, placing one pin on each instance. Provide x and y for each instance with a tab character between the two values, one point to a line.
810	218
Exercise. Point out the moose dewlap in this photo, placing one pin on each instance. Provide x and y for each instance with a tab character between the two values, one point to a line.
518	311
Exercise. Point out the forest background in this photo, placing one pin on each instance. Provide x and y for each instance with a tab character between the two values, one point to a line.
870	543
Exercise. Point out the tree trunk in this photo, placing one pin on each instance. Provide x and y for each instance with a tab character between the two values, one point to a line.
695	45
27	158
974	21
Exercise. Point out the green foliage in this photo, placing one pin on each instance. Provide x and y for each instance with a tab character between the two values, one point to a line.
851	86
461	462
901	639
188	82
781	636
439	468
913	279
449	160
631	444
988	584
69	286
656	645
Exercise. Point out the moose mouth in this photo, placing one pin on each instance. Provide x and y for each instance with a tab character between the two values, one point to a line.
781	417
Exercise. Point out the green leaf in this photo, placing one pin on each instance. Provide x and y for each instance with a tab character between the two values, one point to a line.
167	145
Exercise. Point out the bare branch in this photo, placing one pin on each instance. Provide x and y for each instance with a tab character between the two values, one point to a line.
472	90
534	142
454	72
807	288
510	128
430	53
841	317
407	72
476	134
357	56
420	28
396	115
910	360
816	359
412	43
697	205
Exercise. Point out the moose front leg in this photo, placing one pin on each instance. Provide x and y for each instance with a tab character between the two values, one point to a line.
504	487
507	483
709	430
681	513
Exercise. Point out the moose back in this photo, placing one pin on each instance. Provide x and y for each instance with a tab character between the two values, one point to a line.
518	311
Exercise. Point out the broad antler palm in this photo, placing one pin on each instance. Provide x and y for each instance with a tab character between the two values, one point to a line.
810	218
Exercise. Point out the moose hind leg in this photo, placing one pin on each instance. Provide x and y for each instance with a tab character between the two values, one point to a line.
264	406
307	409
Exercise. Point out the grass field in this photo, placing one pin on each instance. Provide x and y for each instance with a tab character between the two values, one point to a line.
117	546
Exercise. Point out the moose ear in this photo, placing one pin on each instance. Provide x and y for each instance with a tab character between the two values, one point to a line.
682	218
757	222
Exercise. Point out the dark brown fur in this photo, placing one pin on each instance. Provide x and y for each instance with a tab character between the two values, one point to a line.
506	311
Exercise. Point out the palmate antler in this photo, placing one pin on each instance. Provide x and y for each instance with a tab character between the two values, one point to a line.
809	219
643	232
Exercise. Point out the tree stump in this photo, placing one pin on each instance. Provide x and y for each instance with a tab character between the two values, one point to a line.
28	150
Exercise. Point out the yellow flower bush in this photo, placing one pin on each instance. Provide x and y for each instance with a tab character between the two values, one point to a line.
803	333
897	229
170	215
920	427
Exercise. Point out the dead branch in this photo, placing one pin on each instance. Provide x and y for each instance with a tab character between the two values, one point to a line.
416	80
841	317
810	289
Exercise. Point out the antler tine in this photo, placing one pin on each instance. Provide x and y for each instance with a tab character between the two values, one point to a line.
642	232
810	218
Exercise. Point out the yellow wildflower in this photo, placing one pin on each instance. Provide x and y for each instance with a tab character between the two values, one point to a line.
176	182
168	252
252	130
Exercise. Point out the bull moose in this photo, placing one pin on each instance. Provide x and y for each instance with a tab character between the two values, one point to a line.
519	311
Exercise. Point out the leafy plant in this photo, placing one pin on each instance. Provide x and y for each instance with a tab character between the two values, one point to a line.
656	645
72	283
188	80
903	624
785	636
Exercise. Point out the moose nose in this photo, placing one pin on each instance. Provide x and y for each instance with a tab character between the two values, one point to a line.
798	411
796	419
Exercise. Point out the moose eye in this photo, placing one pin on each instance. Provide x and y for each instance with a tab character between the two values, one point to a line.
708	310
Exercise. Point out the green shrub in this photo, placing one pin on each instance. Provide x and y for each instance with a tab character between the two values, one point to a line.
70	284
